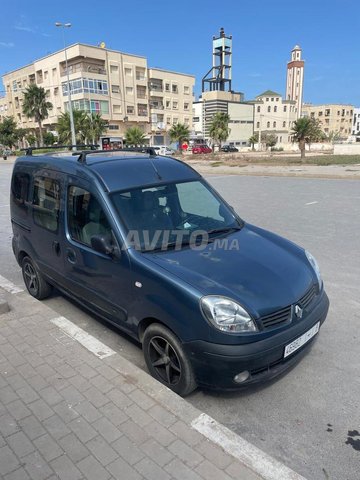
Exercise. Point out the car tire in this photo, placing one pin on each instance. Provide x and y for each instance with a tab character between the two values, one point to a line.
167	361
35	283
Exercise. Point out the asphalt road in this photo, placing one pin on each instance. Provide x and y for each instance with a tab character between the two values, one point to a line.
309	418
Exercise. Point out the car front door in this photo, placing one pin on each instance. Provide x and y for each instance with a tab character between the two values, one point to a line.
102	282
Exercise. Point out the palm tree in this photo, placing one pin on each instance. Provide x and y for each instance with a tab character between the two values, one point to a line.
135	136
96	126
219	128
254	139
36	106
81	124
179	133
306	130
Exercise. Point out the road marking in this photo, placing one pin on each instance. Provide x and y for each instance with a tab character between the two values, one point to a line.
9	286
85	339
311	203
254	458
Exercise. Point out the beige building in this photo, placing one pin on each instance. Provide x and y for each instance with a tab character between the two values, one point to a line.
333	118
117	85
274	115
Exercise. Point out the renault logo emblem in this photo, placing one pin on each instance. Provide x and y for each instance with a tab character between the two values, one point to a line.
298	311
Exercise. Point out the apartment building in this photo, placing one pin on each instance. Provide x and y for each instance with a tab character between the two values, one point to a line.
274	115
355	130
334	118
109	82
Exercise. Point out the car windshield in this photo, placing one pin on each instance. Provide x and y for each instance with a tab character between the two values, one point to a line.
173	215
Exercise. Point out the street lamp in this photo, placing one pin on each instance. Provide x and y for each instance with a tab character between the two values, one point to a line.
72	127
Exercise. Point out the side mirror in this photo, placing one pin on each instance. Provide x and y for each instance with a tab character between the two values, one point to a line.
103	244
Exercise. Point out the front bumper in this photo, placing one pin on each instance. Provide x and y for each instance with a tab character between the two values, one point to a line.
215	365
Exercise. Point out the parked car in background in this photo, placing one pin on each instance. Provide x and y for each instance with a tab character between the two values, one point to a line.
229	148
201	149
163	150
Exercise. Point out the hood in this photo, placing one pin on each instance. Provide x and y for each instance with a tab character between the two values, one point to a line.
262	271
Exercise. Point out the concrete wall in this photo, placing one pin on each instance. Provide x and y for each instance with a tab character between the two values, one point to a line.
347	149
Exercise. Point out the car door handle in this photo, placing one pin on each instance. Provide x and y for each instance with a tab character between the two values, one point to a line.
71	256
56	247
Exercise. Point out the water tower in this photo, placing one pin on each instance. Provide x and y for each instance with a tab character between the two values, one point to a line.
218	78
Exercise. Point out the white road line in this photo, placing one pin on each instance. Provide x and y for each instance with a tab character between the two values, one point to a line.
9	286
311	203
88	341
254	458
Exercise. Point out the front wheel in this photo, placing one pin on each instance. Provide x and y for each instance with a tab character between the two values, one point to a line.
167	361
35	283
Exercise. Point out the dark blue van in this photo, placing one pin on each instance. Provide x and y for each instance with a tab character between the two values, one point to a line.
146	243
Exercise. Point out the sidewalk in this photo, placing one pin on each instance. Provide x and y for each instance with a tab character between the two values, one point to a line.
69	413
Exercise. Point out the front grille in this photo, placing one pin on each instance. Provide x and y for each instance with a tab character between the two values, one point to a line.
281	316
285	314
309	296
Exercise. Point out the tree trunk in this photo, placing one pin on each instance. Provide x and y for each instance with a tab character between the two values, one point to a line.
302	149
41	138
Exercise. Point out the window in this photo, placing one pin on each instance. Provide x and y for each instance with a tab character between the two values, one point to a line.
129	91
257	124
186	106
258	109
174	88
54	72
275	108
46	74
116	108
186	121
115	88
87	85
274	124
175	105
56	91
168	120
114	69
272	99
85	216
167	103
130	110
97	106
167	87
113	127
284	124
268	124
20	189
320	114
128	72
269	109
46	202
175	120
284	108
186	90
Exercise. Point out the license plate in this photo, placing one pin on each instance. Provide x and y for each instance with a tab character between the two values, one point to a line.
300	341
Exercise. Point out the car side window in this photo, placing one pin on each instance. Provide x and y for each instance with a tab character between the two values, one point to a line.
46	203
85	216
20	189
195	199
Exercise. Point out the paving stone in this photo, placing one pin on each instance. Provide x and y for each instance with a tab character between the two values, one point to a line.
48	448
157	452
73	447
119	398
97	398
150	470
180	471
140	398
87	371
65	370
27	370
31	427
128	450
134	432
162	415
107	429
41	410
114	414
82	429
121	470
56	427
7	395
107	371
160	433
92	469
27	394
18	410
8	461
15	380
66	411
50	396
19	474
101	383
188	435
186	453
88	411
16	359
45	370
72	395
102	450
240	472
138	415
210	472
214	454
65	469
20	444
37	382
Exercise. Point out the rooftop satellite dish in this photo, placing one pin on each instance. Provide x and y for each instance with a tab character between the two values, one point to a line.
102	45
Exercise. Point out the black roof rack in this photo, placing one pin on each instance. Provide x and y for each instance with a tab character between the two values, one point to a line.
82	155
29	150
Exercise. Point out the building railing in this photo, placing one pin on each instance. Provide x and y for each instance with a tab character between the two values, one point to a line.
83	69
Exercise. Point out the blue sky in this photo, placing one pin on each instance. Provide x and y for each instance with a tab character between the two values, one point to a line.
178	35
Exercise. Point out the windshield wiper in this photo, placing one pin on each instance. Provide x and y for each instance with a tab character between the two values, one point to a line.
224	229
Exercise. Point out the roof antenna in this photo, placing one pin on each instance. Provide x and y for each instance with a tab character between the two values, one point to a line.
155	169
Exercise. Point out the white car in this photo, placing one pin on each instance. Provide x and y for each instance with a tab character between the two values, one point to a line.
163	150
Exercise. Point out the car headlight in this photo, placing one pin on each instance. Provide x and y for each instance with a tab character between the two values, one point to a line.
227	315
315	266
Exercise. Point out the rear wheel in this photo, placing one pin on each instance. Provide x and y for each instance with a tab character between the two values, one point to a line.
35	283
167	361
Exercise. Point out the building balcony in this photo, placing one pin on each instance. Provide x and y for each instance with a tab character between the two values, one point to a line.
83	68
156	106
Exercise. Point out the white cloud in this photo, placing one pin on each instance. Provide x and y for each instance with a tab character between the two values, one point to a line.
7	44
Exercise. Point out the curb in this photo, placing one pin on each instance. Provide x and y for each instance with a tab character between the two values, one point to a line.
260	463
